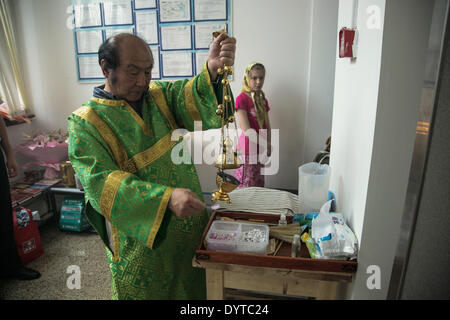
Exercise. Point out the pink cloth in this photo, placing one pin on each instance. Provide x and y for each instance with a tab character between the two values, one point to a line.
244	102
49	156
250	176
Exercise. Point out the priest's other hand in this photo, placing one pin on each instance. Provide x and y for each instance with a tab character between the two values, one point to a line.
185	203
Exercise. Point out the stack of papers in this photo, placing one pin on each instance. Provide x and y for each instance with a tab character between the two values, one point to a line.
260	200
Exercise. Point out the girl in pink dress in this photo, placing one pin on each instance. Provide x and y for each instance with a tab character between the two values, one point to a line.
252	113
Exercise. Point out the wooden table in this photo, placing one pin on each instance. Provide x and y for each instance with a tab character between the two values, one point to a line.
278	282
273	276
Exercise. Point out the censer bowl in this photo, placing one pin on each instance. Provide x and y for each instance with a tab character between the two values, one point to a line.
226	183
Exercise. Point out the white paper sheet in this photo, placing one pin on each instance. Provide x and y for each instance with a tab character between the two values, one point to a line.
155	70
176	37
203	34
113	31
177	64
147	26
175	10
210	10
200	59
87	15
88	41
144	4
89	67
118	12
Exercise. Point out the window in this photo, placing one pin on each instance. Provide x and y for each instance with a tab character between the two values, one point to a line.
13	105
16	114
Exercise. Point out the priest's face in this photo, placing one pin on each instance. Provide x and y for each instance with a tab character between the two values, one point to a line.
130	80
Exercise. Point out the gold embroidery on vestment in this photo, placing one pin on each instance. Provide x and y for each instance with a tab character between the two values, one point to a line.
123	103
108	102
160	99
139	160
159	216
138	119
116	244
119	153
109	191
190	102
156	151
107	199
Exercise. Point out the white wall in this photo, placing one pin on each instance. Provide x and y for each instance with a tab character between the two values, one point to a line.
354	114
319	108
374	128
295	40
47	49
277	35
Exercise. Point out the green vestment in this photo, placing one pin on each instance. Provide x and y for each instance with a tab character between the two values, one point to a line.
124	163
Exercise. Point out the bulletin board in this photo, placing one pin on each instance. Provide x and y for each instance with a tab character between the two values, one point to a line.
178	32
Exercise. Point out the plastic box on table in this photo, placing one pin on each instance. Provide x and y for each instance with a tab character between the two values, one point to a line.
237	237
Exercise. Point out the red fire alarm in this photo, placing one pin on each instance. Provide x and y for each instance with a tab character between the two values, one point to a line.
347	41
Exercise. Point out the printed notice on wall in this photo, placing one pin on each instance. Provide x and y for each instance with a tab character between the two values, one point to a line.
118	12
144	4
177	37
113	31
200	60
203	34
176	64
178	32
88	41
147	26
155	70
89	67
210	10
175	10
87	15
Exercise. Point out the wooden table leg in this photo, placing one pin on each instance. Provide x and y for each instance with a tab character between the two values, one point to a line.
214	284
327	290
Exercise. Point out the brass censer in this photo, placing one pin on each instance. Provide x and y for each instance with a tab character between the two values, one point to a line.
228	158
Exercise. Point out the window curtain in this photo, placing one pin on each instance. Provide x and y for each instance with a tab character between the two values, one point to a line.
11	81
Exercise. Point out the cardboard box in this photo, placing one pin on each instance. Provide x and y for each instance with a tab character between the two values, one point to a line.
72	217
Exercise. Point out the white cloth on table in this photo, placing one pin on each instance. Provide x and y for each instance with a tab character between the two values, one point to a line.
260	200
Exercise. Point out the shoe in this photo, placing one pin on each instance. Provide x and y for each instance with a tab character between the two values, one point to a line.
23	273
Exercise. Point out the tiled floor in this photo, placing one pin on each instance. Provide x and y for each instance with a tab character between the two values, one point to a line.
62	250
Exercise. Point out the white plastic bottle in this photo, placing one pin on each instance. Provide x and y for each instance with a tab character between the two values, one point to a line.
295	248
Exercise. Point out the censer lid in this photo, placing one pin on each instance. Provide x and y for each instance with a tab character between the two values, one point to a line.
225	162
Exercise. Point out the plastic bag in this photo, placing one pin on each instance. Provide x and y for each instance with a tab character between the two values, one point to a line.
334	239
23	218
